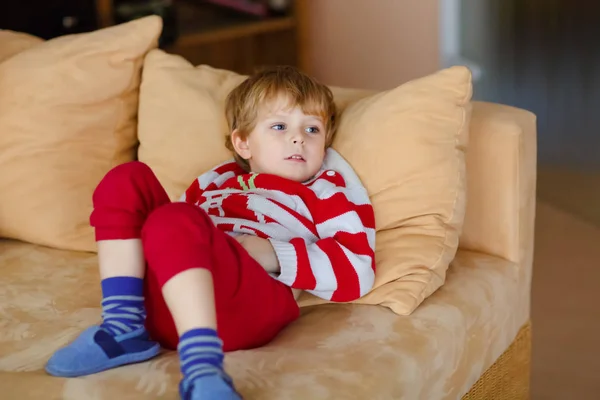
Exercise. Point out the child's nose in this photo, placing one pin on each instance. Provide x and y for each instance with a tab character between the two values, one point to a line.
298	138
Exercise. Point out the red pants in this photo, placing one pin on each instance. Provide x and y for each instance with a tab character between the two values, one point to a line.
252	307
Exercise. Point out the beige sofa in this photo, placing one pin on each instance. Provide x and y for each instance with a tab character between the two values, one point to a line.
469	339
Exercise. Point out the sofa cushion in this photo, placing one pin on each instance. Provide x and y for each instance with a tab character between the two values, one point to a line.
12	43
69	108
406	144
332	351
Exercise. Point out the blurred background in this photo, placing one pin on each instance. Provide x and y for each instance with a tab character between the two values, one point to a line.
541	55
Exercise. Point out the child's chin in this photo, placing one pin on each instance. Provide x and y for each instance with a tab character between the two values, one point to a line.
296	177
295	174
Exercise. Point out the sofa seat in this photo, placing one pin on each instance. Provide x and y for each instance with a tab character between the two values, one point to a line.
333	351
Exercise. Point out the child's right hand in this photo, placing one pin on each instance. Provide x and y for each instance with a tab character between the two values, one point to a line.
261	250
265	257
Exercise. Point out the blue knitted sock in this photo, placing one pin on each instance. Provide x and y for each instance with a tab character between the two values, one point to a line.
123	308
200	353
201	357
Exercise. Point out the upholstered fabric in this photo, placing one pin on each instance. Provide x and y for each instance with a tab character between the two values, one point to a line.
333	351
406	144
182	122
501	179
12	43
501	182
68	115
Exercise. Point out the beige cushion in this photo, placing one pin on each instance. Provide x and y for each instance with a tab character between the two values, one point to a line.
69	108
182	123
406	145
12	43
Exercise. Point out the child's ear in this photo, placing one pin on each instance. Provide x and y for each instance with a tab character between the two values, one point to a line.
240	145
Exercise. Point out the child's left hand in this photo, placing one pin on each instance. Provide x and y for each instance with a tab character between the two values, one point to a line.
261	250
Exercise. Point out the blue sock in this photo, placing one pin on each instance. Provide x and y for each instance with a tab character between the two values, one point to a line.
123	308
200	354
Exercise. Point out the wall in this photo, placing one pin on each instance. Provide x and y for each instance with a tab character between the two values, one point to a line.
371	44
478	26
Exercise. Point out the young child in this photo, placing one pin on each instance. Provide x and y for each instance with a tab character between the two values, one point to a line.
221	269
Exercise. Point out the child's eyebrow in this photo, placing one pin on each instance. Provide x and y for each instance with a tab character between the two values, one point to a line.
312	116
317	119
279	115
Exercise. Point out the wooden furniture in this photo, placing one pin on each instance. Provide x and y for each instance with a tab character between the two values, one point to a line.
222	38
49	19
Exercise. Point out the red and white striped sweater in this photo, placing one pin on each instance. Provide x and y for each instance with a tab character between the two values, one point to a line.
323	230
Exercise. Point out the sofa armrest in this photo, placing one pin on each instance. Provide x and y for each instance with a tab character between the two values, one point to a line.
501	184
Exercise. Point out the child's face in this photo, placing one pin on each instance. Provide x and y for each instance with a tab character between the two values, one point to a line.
285	142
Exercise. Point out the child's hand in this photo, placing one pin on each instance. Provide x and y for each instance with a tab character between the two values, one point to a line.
261	250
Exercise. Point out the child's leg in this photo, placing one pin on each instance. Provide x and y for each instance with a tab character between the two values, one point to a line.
207	280
122	202
122	269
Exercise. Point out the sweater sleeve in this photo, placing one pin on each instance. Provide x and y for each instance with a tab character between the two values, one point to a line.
340	265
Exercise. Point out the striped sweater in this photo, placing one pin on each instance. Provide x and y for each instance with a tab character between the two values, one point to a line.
322	231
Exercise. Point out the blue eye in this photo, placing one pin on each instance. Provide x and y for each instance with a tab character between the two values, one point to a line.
312	129
278	127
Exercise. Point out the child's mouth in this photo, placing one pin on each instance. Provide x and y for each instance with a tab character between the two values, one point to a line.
296	158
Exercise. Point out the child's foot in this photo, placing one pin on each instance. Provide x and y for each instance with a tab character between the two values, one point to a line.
97	350
208	387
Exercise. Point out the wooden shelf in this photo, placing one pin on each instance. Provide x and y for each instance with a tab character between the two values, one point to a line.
205	33
202	23
236	31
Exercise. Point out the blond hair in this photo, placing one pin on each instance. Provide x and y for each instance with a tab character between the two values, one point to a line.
243	102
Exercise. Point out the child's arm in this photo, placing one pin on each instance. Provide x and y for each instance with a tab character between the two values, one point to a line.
261	250
340	266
